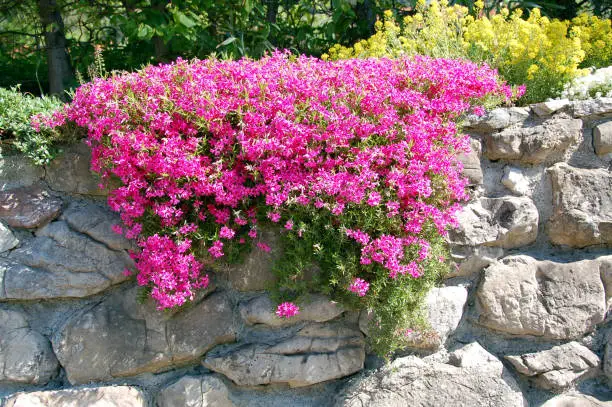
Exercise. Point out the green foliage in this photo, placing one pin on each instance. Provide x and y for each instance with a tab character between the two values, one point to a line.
16	111
325	260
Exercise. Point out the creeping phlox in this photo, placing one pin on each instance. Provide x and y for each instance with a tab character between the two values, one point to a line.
202	151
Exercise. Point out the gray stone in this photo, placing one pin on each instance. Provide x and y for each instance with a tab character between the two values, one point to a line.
472	259
195	391
575	400
255	272
549	107
28	207
70	172
109	396
602	138
120	337
591	107
515	181
411	381
494	120
582	206
8	240
261	310
317	353
18	171
558	367
97	222
506	222
60	262
25	355
471	163
534	145
607	357
523	296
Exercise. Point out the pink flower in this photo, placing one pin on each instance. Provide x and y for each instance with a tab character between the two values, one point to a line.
359	287
253	233
287	310
216	250
289	225
274	216
374	198
264	247
226	233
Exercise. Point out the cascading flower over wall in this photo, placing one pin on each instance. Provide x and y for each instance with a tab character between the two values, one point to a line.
362	153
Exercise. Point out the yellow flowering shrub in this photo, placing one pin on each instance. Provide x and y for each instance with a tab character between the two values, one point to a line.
541	53
596	38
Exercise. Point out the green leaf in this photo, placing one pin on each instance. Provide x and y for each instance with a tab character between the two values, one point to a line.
145	32
181	18
227	42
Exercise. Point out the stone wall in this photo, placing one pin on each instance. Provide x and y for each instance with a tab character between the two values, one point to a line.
521	320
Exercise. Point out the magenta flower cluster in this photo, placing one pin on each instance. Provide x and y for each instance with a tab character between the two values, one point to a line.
359	286
218	144
287	310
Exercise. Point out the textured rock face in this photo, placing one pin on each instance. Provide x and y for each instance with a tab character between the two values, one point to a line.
25	355
498	119
7	239
602	138
534	145
523	296
471	163
71	172
582	206
255	272
479	381
190	391
17	171
515	181
317	353
592	107
110	396
28	207
550	107
507	222
558	367
120	337
60	262
575	400
261	310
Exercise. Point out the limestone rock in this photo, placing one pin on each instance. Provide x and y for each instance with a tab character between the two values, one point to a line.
60	262
96	222
7	239
497	119
120	337
25	355
507	222
18	171
472	259
317	353
28	207
591	107
607	358
471	163
550	107
70	172
536	144
582	206
558	367
109	396
411	381
602	138
255	272
261	310
575	400
523	296
190	391
515	181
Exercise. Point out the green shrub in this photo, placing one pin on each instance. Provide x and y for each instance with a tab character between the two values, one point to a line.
16	112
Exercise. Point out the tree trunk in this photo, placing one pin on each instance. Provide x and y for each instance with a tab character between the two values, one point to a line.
58	61
160	47
271	11
366	14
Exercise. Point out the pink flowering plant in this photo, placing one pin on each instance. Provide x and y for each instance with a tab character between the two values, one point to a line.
354	161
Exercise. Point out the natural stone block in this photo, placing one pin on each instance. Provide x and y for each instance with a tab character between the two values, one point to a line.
109	396
28	207
70	172
515	181
582	206
195	391
558	367
575	400
550	107
25	355
18	171
524	296
478	380
592	107
119	337
602	138
317	353
8	240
